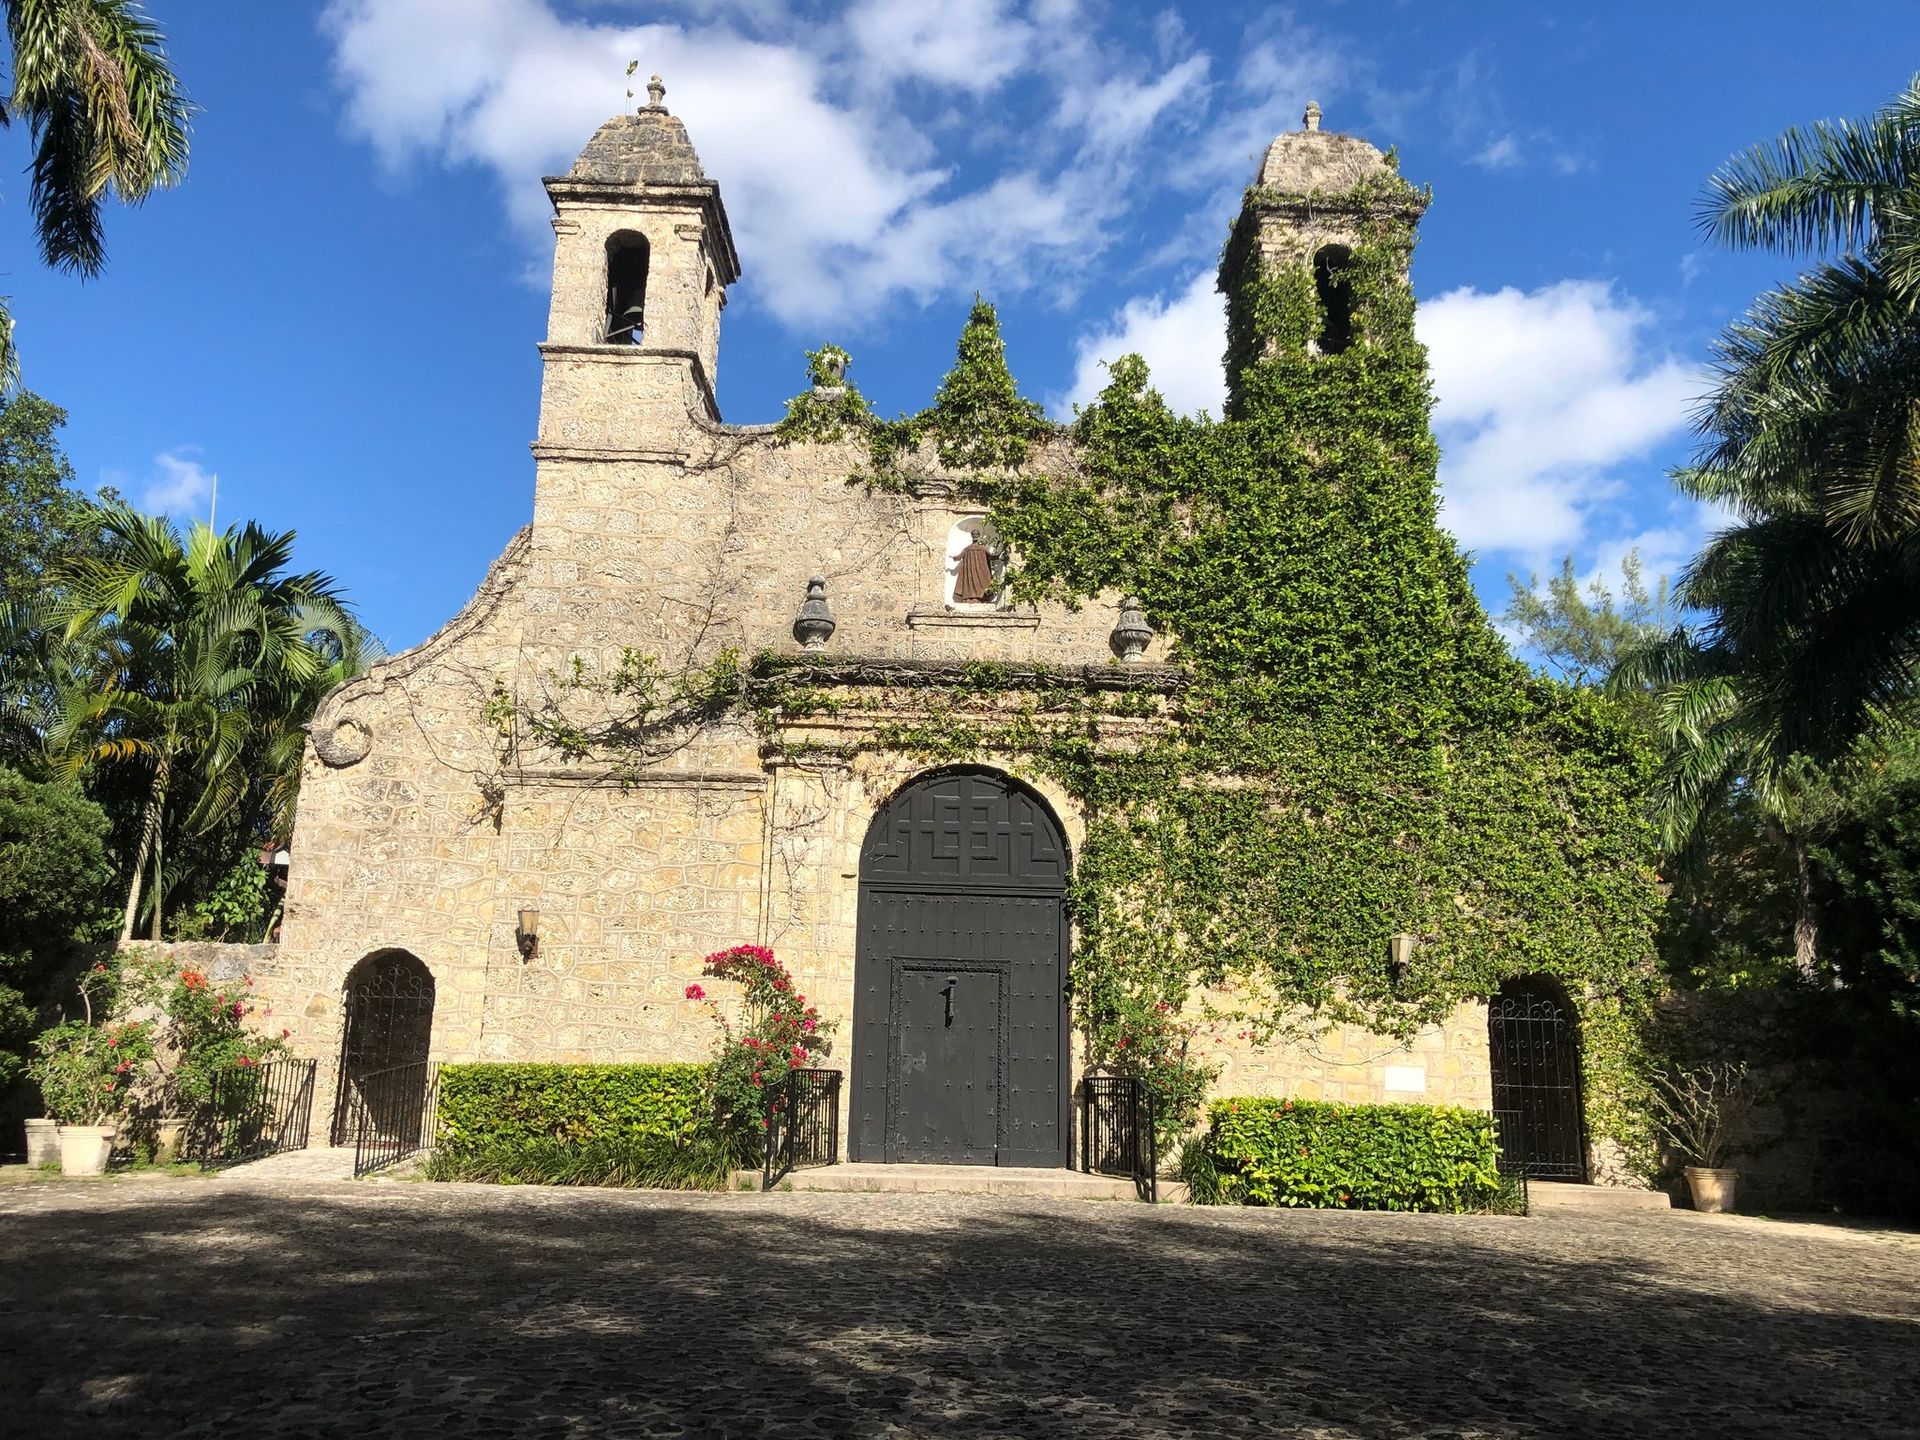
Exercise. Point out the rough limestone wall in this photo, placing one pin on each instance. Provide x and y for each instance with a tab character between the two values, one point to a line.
397	843
1443	1064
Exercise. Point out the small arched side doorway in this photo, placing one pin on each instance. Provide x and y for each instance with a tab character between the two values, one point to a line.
1534	1046
388	1022
960	1005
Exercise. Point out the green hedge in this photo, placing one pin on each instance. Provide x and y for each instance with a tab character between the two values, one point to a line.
651	1164
1317	1154
486	1107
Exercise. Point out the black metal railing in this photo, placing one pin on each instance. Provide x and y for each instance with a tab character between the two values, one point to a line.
1510	1134
254	1111
1116	1131
395	1112
803	1124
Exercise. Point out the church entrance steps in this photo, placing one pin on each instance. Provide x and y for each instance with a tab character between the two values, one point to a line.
963	1180
1557	1195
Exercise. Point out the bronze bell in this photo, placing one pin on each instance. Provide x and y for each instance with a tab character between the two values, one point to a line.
631	323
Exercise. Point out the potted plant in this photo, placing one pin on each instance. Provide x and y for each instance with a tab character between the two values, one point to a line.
1700	1112
87	1074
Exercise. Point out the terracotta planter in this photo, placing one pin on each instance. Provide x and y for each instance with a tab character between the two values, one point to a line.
84	1149
1713	1190
43	1142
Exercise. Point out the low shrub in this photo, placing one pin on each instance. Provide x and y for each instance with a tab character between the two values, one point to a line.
486	1109
644	1162
1313	1153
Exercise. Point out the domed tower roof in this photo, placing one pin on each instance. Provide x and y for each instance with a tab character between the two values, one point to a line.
647	148
1316	161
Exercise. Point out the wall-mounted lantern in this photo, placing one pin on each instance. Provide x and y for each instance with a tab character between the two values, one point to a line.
527	936
1399	953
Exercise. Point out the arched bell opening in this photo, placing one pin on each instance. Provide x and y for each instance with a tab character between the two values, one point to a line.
1533	1043
626	319
960	1043
1333	282
387	1022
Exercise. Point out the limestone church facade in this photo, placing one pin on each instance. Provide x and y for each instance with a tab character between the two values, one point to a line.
498	897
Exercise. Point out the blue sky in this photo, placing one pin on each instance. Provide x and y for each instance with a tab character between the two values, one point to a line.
337	313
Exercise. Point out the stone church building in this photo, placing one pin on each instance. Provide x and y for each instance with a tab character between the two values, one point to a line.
462	889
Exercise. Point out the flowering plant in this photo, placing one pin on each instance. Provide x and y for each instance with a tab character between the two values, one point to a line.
87	1072
777	1031
208	1033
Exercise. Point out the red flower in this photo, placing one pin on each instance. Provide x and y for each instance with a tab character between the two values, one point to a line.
284	1032
694	992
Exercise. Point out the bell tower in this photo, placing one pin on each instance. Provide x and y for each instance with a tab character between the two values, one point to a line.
1317	262
643	256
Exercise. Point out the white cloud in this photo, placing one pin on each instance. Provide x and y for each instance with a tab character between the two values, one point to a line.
1181	338
971	46
180	486
839	195
1502	154
1539	396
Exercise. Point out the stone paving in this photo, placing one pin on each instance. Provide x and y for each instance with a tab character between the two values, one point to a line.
214	1308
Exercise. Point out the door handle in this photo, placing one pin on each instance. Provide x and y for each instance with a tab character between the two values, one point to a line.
953	982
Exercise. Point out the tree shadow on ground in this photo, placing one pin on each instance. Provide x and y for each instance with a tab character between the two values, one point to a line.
452	1310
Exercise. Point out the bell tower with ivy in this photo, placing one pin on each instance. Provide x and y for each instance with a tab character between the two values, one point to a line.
1317	262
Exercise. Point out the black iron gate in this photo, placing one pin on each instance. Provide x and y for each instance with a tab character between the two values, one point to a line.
803	1124
1116	1131
388	1023
255	1111
1535	1050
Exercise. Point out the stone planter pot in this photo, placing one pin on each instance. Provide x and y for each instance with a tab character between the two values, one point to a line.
1713	1190
43	1142
84	1149
169	1133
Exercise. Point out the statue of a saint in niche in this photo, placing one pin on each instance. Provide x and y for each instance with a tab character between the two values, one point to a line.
973	578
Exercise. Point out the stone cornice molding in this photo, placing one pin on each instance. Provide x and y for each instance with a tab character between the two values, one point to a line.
343	736
638	355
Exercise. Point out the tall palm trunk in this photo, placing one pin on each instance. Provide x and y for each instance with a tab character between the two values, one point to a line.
1806	923
149	837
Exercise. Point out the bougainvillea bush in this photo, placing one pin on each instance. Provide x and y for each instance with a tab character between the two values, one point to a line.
1319	1155
214	1048
775	1031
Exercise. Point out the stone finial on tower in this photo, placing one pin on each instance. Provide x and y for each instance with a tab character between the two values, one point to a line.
1312	118
656	94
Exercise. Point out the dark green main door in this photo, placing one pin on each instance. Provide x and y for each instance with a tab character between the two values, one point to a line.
960	1003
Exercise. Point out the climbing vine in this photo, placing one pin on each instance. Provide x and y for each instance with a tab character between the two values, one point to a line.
1344	749
1355	753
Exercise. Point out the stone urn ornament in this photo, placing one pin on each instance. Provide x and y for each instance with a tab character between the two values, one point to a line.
814	625
1132	634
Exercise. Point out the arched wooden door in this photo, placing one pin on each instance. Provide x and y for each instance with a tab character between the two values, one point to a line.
960	1005
1535	1049
388	1022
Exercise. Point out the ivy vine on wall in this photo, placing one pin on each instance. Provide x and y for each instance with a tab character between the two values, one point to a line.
1356	753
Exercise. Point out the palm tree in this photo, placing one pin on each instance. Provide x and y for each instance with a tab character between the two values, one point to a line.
1811	601
211	641
106	112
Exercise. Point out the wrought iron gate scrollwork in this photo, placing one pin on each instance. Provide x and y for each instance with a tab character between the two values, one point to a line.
387	1023
1534	1048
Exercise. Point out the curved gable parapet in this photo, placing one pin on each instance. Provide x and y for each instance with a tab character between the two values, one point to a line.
342	734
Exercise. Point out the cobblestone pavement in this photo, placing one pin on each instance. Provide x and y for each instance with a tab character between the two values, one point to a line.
208	1308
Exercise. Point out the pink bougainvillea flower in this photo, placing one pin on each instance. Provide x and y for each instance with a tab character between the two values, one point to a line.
284	1032
695	992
